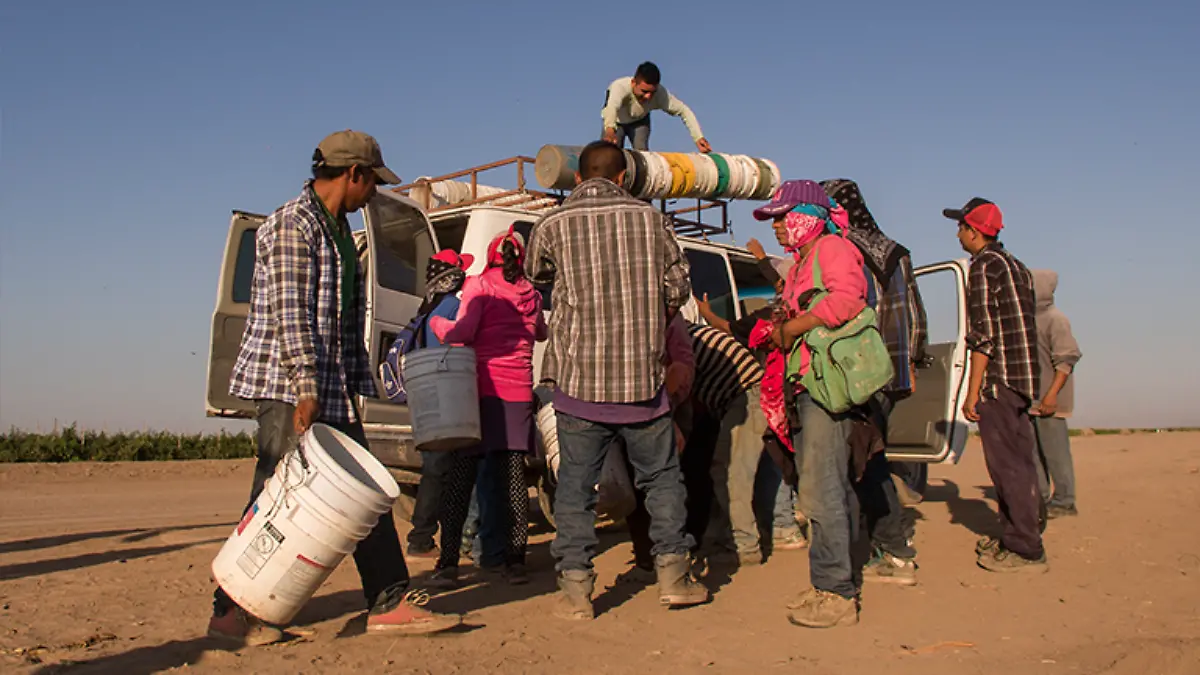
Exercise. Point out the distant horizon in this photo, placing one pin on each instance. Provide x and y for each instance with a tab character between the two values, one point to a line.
130	133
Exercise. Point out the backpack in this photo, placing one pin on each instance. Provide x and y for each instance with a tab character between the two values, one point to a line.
848	364
408	340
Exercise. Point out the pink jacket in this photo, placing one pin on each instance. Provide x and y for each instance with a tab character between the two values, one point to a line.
501	321
841	274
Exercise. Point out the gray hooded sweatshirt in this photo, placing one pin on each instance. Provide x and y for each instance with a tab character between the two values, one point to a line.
1057	348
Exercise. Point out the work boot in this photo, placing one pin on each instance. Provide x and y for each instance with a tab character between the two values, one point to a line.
637	576
987	546
406	615
825	610
241	628
890	569
1004	560
676	587
575	595
1055	511
789	541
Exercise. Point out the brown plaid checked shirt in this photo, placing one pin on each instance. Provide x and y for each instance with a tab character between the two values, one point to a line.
1001	310
616	268
296	344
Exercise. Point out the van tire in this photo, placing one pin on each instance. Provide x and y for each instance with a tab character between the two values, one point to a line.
545	499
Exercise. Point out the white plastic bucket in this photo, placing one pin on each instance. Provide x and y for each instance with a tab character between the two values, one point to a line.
547	424
311	513
443	397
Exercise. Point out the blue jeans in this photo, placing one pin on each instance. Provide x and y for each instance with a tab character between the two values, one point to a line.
650	447
775	500
827	495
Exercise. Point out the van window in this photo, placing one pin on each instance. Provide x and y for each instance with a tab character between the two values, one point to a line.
711	276
754	291
524	227
451	232
404	245
243	268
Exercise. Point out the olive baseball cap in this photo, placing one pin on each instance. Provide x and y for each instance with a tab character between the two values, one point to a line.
350	148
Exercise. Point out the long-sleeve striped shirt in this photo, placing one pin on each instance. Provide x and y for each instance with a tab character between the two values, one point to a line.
724	368
622	107
297	345
616	270
1001	308
902	321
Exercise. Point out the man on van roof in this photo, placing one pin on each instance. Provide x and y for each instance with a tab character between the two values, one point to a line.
304	360
627	106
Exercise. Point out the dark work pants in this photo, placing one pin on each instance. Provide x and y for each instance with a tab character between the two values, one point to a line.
1008	449
435	466
379	557
637	131
696	465
877	493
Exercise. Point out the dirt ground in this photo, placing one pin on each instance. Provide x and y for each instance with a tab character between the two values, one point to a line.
105	569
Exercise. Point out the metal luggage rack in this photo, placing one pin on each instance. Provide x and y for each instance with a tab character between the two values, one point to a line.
688	221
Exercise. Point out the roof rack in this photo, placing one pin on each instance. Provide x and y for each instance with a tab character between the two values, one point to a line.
433	194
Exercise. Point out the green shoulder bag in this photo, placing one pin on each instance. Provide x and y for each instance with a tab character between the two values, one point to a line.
848	364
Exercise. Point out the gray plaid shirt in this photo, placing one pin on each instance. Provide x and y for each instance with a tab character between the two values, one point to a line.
296	345
616	269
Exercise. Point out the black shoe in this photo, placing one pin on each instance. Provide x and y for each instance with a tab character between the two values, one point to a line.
1060	512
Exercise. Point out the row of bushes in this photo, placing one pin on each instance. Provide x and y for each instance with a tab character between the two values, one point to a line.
71	445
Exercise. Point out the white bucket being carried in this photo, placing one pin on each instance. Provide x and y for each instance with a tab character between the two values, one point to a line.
323	499
547	423
443	397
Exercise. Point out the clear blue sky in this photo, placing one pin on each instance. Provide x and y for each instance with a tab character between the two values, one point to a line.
129	130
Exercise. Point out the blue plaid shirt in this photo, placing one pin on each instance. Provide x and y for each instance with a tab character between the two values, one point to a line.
296	345
902	322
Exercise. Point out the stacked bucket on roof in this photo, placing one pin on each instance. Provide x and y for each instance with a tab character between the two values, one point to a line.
669	175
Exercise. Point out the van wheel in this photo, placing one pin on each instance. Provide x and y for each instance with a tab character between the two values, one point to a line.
545	498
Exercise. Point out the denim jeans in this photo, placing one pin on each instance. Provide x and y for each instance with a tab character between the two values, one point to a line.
650	447
379	557
735	465
1053	461
434	468
827	496
774	499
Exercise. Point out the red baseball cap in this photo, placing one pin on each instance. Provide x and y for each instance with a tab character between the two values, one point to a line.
980	215
450	257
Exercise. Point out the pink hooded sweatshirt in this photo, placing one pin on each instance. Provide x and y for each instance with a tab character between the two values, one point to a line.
501	321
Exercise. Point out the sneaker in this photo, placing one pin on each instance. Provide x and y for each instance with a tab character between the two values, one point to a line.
790	542
408	616
638	576
1060	512
1004	560
422	551
825	610
890	569
987	546
445	579
516	574
239	627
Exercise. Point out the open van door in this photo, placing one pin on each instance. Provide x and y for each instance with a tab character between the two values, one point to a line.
229	317
929	426
400	241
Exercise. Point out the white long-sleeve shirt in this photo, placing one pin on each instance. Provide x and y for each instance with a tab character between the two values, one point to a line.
622	107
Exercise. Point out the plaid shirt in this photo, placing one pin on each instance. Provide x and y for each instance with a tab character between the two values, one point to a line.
297	345
616	269
1001	310
902	321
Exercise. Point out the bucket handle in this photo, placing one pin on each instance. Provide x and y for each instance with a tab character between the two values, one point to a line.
288	487
442	367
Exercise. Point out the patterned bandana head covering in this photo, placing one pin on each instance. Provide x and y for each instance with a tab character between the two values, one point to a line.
806	222
442	277
881	253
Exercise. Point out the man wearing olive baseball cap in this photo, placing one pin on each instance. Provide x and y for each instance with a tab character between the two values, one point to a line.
1003	383
304	360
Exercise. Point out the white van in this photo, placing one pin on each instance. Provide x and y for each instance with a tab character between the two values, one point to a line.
399	236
